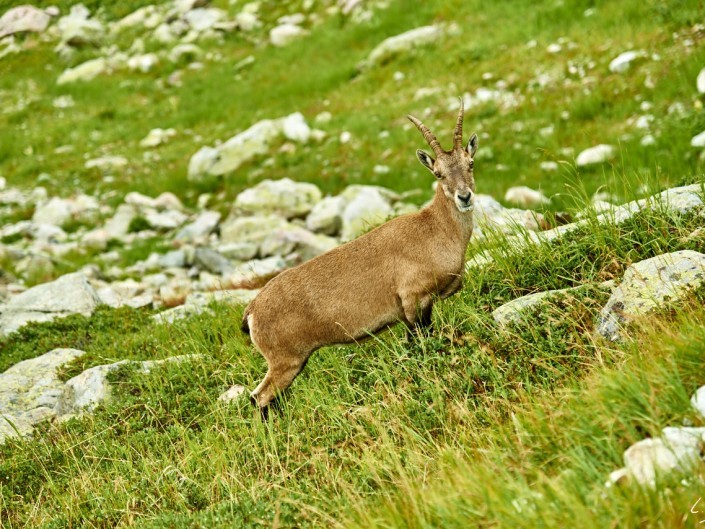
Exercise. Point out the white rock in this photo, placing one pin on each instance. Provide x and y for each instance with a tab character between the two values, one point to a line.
295	128
698	401
83	72
285	34
549	166
165	220
365	209
284	197
554	48
77	29
202	19
623	61
55	212
677	450
106	163
136	18
118	226
526	197
234	393
189	52
296	239
597	154
240	251
700	82
143	63
247	21
698	141
402	43
22	19
253	229
157	136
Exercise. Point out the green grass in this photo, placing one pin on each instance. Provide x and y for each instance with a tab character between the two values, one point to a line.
468	426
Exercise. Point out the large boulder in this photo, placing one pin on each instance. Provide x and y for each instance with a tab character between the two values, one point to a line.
283	197
326	216
70	294
649	284
23	19
30	391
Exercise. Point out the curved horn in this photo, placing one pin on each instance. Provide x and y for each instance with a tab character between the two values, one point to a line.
458	136
427	134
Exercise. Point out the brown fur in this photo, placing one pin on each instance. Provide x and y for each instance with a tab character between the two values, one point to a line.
392	274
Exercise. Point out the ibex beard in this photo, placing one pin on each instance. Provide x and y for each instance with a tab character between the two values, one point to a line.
392	274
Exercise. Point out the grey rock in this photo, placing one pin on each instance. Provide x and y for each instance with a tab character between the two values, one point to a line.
296	239
526	197
283	197
254	229
233	393
30	391
118	226
239	251
198	302
202	19
55	212
201	227
252	273
70	294
649	284
23	19
173	259
165	220
700	82
212	261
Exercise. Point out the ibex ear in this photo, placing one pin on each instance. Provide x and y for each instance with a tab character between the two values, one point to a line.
425	159
472	145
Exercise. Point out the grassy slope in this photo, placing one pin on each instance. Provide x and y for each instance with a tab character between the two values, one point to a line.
466	426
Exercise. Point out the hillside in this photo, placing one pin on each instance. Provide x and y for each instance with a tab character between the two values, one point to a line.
159	163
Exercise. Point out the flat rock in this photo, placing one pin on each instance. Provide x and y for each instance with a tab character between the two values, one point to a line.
649	284
70	294
203	225
283	197
23	19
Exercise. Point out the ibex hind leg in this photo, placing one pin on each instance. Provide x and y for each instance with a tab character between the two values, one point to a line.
280	375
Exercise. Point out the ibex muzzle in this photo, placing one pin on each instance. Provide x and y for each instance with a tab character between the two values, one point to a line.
392	274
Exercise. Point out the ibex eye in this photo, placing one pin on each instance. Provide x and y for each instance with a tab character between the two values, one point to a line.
438	175
472	164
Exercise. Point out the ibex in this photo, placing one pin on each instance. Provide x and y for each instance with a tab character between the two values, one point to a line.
392	274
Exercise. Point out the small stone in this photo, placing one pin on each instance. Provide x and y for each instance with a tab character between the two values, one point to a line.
403	43
212	261
144	63
700	82
549	166
623	61
157	137
285	34
201	227
84	71
106	163
594	155
526	197
234	393
698	141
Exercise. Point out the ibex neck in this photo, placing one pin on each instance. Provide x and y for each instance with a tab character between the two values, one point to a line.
455	222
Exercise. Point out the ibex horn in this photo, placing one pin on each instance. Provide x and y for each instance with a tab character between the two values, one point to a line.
458	136
427	134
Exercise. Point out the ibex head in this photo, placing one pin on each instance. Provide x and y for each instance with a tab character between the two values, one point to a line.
454	168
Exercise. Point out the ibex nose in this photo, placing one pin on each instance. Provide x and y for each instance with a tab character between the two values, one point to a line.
465	198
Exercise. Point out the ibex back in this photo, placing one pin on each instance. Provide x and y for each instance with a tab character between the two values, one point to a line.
392	274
